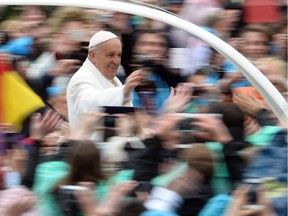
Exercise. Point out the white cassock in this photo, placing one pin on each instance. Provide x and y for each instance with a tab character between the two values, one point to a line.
88	90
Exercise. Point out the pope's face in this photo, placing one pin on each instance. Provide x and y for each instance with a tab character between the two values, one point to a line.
107	57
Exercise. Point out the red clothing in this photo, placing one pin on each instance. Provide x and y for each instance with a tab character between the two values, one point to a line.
262	11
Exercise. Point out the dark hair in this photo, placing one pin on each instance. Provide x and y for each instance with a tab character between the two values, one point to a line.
232	116
4	37
131	208
158	32
267	31
233	6
200	159
85	164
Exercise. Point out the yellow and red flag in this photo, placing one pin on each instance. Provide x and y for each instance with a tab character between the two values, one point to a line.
17	99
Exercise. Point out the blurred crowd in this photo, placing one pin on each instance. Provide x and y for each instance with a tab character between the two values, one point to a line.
200	140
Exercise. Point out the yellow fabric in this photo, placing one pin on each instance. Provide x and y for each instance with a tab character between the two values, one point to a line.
19	99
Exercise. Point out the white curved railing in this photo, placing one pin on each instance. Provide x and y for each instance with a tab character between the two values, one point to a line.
270	94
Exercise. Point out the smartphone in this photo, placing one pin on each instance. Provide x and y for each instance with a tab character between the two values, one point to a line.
148	101
199	90
255	184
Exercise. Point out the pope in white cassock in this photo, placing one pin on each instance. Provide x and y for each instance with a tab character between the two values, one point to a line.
95	84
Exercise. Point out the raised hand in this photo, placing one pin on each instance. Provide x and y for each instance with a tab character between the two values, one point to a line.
42	125
178	98
133	80
114	198
248	103
211	128
165	124
65	66
125	125
240	201
89	123
17	201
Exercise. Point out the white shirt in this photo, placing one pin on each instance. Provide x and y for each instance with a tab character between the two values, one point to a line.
88	90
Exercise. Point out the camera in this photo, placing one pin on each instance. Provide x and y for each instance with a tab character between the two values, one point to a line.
185	125
199	90
186	122
146	61
187	119
81	54
110	121
66	200
143	186
81	38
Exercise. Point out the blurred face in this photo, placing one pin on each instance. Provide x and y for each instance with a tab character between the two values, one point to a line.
107	57
32	15
63	42
197	79
255	45
272	70
175	7
152	45
69	42
232	17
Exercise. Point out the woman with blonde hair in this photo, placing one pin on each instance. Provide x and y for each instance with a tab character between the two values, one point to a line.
275	70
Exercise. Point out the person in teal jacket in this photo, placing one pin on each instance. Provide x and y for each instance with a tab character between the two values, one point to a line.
84	166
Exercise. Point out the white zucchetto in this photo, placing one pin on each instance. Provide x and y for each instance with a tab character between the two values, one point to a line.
100	37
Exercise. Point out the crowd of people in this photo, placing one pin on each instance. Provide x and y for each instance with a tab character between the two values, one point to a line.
141	118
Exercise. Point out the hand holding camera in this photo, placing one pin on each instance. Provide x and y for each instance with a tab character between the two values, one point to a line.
69	203
165	125
248	200
211	128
